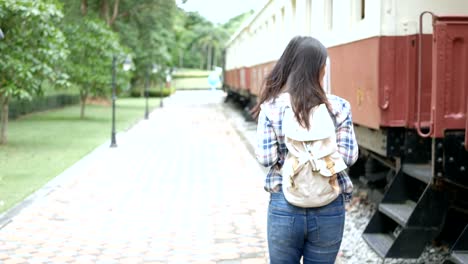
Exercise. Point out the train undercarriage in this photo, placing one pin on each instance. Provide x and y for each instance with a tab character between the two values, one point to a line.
425	199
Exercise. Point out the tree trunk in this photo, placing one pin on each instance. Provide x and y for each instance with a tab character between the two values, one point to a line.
181	58
200	56
105	11
84	7
4	121
208	58
84	97
115	13
213	57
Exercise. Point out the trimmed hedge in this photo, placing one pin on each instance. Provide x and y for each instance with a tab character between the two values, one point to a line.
190	76
153	92
18	108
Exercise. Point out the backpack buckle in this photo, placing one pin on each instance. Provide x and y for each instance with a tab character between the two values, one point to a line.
291	181
313	163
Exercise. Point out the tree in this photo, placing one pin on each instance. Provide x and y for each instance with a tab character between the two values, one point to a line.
31	51
236	22
92	45
192	44
199	43
144	26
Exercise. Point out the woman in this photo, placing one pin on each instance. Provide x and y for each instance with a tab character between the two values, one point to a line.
314	234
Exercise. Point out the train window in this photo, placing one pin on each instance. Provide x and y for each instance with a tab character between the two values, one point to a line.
282	15
363	9
358	10
329	14
293	8
293	14
283	20
309	17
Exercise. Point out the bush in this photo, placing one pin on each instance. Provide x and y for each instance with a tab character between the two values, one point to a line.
153	92
18	108
205	76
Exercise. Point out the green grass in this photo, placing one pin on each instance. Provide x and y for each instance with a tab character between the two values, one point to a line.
42	145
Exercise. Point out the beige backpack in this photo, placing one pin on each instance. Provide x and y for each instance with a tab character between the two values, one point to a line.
310	167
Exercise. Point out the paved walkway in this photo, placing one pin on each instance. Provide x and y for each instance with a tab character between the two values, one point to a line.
180	187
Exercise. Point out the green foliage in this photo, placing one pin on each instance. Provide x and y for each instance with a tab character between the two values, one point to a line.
33	47
235	23
146	28
92	45
199	42
21	107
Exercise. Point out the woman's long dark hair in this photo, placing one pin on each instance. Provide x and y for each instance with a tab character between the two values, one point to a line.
297	72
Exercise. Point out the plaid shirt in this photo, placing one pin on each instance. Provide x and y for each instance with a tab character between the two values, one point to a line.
271	148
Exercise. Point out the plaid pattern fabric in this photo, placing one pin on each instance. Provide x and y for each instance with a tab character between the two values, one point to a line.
271	148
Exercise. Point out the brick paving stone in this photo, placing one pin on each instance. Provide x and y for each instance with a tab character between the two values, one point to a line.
106	261
229	261
83	261
180	187
42	254
85	258
3	256
253	261
8	246
251	249
15	260
62	259
39	261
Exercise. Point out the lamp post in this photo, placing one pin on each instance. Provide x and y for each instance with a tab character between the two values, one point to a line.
155	69
127	64
146	94
161	96
166	79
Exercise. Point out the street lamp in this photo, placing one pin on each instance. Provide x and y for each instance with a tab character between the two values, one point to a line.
1	34
155	69
168	72
146	94
127	64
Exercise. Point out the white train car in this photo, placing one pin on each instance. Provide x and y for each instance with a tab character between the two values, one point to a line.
408	90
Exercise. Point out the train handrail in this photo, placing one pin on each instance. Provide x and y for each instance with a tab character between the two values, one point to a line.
466	127
418	121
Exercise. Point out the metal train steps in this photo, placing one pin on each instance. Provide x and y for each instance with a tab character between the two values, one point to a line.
422	172
459	253
399	242
399	212
402	226
459	257
380	243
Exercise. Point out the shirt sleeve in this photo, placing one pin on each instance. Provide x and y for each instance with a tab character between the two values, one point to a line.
345	137
267	143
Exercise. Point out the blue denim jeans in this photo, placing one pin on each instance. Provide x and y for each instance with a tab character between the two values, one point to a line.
312	233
